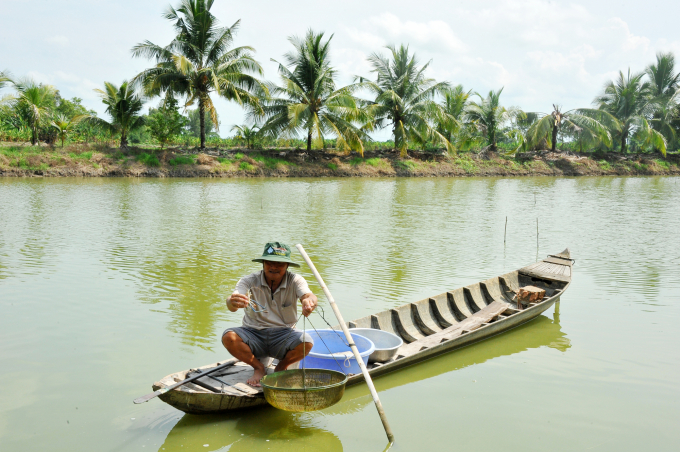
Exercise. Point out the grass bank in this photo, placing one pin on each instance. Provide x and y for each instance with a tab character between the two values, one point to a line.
102	161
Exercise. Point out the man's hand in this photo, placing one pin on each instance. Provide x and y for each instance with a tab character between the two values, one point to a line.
309	302
237	301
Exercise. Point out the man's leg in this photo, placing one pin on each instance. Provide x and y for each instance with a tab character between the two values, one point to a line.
241	351
294	356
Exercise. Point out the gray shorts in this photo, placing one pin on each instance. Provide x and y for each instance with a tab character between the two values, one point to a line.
270	342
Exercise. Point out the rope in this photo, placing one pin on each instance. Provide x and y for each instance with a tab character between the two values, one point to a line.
329	350
304	375
346	361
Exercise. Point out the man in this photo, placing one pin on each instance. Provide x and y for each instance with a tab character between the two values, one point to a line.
269	318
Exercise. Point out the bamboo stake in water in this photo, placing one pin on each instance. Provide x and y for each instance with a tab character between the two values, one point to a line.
537	234
505	233
367	377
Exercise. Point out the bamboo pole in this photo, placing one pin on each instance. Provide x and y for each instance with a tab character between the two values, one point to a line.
505	233
338	315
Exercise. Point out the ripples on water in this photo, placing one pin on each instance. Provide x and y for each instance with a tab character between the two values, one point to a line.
127	279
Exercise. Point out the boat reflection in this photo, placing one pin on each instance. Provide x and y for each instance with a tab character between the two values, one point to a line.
251	430
540	332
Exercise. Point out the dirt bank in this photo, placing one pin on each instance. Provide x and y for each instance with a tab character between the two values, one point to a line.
83	161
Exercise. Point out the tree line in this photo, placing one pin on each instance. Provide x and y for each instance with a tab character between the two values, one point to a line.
306	107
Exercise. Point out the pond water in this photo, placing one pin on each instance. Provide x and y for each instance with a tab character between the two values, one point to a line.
106	285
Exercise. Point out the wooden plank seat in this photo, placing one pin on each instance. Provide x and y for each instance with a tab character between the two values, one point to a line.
471	323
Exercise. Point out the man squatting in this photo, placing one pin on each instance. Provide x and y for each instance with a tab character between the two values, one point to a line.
270	315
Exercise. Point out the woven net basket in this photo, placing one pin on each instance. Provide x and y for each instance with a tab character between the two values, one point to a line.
321	389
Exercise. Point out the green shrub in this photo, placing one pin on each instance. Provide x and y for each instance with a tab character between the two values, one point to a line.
272	162
81	156
148	159
238	156
224	161
640	166
374	161
469	167
356	161
182	160
245	166
664	164
604	165
332	166
408	165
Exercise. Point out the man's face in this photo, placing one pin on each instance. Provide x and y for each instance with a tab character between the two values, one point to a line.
275	270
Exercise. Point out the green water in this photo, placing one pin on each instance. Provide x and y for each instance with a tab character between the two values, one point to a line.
108	285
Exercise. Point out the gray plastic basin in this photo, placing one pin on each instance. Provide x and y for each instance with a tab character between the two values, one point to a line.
386	344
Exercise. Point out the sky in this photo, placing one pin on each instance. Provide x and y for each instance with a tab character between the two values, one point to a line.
540	52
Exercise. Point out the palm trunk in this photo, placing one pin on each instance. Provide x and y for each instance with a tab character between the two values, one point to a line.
34	136
554	139
624	138
62	141
309	141
201	119
123	141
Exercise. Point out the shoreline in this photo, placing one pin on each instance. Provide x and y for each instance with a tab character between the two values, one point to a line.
98	161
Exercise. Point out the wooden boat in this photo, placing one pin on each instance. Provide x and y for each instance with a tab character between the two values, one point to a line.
429	327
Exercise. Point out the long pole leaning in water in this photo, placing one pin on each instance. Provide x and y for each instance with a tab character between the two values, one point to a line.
367	377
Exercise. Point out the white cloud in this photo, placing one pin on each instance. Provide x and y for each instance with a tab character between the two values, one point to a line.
391	30
59	40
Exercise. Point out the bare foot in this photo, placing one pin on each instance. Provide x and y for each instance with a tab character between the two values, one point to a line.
255	379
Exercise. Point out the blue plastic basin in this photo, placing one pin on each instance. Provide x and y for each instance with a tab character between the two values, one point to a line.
329	344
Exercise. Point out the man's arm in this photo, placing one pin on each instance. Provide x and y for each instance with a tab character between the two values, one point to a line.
309	303
239	299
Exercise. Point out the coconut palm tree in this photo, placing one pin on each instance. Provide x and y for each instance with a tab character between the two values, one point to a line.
247	134
124	107
662	76
596	122
200	61
404	100
454	102
65	125
33	101
665	86
308	101
5	77
488	116
631	101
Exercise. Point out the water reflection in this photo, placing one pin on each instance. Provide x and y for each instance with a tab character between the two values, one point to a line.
252	430
540	332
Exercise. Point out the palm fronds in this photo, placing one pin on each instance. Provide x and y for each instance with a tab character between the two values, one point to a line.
200	60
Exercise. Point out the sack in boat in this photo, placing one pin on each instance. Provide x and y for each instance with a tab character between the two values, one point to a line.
530	294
